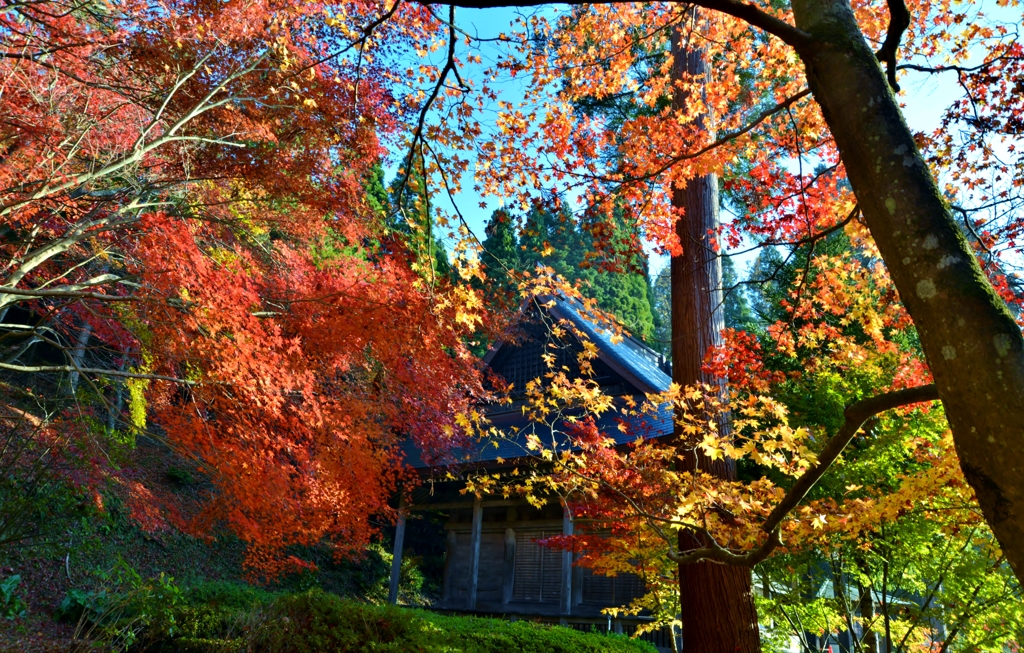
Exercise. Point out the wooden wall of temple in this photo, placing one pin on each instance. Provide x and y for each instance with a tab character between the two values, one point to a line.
517	574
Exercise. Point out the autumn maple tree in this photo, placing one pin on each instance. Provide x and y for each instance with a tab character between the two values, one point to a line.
790	87
886	506
187	234
797	110
185	209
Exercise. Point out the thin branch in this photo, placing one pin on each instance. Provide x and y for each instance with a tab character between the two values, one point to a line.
417	135
966	613
934	70
899	21
367	32
70	293
856	414
90	370
728	137
799	39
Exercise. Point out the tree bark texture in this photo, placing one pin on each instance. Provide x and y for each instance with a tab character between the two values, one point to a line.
78	357
716	601
974	347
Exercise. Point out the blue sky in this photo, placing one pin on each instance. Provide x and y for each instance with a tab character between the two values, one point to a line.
925	97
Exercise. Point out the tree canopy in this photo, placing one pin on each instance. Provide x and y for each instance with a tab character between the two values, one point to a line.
199	248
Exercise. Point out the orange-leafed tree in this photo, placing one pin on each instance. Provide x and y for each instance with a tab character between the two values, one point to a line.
797	109
186	222
843	460
800	101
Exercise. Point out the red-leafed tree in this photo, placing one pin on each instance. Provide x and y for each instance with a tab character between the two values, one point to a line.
184	209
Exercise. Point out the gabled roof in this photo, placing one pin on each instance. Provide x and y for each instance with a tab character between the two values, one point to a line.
637	364
626	355
614	424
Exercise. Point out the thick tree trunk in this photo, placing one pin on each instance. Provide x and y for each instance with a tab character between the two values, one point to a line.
974	347
716	602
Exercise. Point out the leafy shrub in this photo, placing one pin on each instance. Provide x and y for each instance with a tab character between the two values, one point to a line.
228	595
478	635
318	622
374	576
367	576
372	573
157	615
11	605
78	604
118	620
213	612
315	621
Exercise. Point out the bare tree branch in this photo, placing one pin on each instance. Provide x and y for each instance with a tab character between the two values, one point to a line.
899	21
799	39
90	370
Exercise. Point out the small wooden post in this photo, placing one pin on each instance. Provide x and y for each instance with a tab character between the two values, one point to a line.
396	560
508	578
577	581
566	593
449	567
474	547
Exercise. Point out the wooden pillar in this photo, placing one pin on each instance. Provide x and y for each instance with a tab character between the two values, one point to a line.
577	574
508	578
449	567
474	548
566	593
396	559
577	581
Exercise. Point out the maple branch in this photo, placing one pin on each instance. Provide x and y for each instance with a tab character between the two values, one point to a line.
91	370
730	136
140	148
80	232
181	81
937	586
799	39
719	554
825	233
934	70
367	32
856	414
70	292
722	140
417	136
899	21
462	219
963	617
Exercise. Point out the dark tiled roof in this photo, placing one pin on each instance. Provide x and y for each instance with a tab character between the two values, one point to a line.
626	352
515	428
633	360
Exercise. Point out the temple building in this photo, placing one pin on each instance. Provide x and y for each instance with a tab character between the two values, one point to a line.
493	561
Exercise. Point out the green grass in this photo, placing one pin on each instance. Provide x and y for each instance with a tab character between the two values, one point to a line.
225	620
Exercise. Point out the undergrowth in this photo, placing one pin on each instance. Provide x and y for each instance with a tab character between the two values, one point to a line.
232	618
